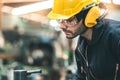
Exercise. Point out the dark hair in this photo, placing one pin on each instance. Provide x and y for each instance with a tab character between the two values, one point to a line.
82	14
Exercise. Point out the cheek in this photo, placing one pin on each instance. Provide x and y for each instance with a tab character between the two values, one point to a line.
77	28
74	30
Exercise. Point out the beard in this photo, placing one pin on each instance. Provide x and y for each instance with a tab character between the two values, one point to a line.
72	34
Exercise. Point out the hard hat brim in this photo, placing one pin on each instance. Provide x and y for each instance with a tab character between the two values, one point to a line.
55	16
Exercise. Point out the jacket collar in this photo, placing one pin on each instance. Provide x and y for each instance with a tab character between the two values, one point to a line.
97	32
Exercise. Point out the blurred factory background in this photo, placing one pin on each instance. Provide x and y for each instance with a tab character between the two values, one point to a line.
30	41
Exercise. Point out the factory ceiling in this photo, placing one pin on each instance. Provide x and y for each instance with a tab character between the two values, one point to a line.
9	5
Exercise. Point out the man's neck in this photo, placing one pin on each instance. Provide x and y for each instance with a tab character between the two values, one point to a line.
88	35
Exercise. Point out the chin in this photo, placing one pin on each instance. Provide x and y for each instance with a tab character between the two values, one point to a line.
70	37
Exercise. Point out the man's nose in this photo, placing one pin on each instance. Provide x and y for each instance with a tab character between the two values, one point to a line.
63	26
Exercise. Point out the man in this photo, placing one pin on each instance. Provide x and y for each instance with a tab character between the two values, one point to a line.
98	50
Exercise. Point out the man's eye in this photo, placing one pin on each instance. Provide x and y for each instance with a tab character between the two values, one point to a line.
69	20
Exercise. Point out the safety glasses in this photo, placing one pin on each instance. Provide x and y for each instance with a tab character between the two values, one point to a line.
69	22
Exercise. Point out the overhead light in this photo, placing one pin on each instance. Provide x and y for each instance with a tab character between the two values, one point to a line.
32	7
106	1
116	2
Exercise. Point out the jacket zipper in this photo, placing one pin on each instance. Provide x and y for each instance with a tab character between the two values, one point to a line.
116	71
86	60
83	57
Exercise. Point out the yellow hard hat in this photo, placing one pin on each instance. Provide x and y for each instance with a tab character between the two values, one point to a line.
64	9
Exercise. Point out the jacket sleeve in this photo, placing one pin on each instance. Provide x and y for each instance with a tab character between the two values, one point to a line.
114	41
115	47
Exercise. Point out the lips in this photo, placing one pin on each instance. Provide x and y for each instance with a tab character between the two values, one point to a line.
67	33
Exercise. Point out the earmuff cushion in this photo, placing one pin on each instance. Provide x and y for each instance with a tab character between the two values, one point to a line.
92	16
89	16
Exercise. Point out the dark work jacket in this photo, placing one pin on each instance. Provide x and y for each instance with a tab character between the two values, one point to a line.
97	59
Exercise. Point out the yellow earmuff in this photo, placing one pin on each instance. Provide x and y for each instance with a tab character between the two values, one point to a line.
91	17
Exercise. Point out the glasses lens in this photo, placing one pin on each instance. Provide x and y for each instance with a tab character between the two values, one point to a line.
69	22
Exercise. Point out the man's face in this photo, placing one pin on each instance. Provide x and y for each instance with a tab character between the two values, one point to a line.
72	28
